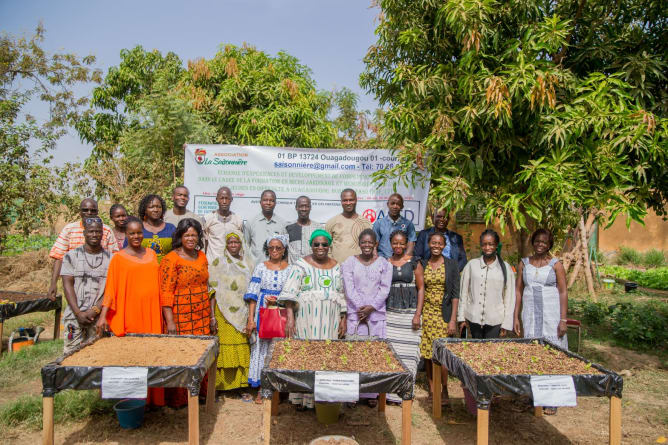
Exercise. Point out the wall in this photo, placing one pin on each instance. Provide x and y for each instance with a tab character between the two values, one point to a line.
653	235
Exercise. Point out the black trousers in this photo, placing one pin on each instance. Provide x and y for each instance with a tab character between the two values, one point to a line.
484	331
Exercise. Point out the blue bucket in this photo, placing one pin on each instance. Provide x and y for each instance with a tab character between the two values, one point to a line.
130	412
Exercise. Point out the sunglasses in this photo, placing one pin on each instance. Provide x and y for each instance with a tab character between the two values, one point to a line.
275	248
88	210
320	244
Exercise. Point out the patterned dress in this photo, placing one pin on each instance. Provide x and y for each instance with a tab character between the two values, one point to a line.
541	309
263	282
433	325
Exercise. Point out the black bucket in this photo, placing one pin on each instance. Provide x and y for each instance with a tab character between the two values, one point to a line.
630	286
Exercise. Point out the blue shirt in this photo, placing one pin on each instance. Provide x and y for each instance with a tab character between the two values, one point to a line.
384	228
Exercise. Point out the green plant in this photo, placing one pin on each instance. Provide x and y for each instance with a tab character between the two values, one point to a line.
16	244
628	255
656	278
640	326
654	258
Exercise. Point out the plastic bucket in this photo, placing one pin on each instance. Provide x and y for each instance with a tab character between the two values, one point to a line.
327	412
20	343
630	286
130	412
326	440
608	283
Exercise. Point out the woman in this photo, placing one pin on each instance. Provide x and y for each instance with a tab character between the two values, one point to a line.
367	278
541	283
404	305
119	217
157	232
314	296
184	293
264	288
486	300
228	276
132	296
441	298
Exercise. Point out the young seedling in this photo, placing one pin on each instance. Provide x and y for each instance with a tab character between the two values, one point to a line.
344	359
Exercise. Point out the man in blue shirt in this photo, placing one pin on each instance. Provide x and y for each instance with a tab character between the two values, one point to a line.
454	243
394	221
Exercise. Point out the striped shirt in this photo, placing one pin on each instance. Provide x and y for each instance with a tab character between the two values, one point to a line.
72	237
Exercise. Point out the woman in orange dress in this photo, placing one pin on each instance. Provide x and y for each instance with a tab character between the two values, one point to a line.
132	297
184	293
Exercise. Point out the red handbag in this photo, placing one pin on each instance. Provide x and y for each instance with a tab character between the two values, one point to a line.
272	322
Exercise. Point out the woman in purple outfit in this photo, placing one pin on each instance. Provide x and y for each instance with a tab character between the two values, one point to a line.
367	279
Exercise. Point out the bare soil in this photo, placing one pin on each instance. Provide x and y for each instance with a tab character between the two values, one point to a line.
140	351
18	297
359	356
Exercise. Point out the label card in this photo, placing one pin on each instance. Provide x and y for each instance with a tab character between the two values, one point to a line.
553	390
124	383
337	386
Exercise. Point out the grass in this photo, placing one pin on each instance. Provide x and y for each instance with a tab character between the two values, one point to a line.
628	256
654	258
29	321
26	364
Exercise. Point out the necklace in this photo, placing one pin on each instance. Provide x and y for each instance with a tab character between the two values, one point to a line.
96	263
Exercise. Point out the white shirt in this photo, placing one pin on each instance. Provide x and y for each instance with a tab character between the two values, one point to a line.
482	298
215	227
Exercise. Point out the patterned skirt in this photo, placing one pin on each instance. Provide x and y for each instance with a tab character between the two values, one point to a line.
404	340
433	327
234	356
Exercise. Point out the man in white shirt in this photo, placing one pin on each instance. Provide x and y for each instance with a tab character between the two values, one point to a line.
180	198
263	225
219	223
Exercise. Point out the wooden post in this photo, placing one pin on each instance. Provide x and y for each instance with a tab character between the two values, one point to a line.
382	401
483	427
266	421
436	383
538	411
585	255
615	420
1	327
275	399
406	421
56	321
211	388
193	419
47	420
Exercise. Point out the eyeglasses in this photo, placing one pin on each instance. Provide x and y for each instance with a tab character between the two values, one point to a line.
88	210
320	244
275	248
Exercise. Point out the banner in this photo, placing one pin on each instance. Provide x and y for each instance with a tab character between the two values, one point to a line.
320	174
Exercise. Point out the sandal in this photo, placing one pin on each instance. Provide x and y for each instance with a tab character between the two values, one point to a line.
549	411
245	397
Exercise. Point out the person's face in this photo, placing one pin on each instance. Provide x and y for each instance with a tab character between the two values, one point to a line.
268	202
134	233
441	220
224	200
154	210
303	207
367	244
541	244
88	209
119	217
436	245
488	245
320	247
181	197
398	245
276	249
189	239
394	205
349	202
93	235
233	245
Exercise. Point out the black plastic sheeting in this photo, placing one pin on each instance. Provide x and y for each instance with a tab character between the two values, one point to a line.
25	307
56	377
483	387
290	380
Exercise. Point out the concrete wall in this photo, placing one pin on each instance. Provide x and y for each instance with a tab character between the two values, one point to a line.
653	235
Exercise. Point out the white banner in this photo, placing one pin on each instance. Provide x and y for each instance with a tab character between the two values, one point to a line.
320	174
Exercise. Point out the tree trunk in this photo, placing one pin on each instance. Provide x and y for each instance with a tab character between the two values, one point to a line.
585	256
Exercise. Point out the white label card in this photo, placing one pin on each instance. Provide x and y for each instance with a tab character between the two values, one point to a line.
553	390
124	383
337	386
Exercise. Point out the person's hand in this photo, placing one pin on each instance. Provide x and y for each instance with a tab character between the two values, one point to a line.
417	322
290	329
51	293
270	299
85	317
561	329
171	327
343	327
213	326
452	328
462	325
516	326
364	312
503	333
250	326
101	326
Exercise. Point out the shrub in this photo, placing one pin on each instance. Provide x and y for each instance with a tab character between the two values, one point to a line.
641	326
628	256
18	244
654	258
656	278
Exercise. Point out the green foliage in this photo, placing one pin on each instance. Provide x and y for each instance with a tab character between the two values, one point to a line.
653	278
628	255
654	258
25	364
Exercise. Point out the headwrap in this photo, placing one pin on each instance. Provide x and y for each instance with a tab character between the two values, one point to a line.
233	234
284	239
320	232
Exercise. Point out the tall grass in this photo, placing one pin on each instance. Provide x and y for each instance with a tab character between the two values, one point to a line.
628	255
654	258
27	363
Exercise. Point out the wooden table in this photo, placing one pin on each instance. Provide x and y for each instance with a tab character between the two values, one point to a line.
56	377
484	387
40	303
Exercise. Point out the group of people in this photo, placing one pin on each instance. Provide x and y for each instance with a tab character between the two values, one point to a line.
175	272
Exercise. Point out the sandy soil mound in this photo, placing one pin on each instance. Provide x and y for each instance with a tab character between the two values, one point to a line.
28	272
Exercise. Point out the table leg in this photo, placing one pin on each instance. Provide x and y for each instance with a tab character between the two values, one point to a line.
193	419
483	427
211	389
275	399
1	327
56	324
538	411
382	401
615	420
266	420
47	420
436	396
406	421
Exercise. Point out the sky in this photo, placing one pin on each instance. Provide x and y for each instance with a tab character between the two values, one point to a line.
331	37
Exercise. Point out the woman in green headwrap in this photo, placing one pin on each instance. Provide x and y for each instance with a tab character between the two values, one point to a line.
314	292
228	277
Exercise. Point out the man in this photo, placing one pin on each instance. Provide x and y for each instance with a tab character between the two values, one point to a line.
84	273
72	237
392	222
180	198
219	223
260	227
346	227
300	232
454	243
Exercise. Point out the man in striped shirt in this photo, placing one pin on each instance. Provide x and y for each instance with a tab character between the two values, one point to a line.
72	237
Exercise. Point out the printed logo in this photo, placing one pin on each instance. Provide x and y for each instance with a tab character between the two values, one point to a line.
200	155
324	281
369	214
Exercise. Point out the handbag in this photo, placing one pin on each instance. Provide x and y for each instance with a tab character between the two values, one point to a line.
272	322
